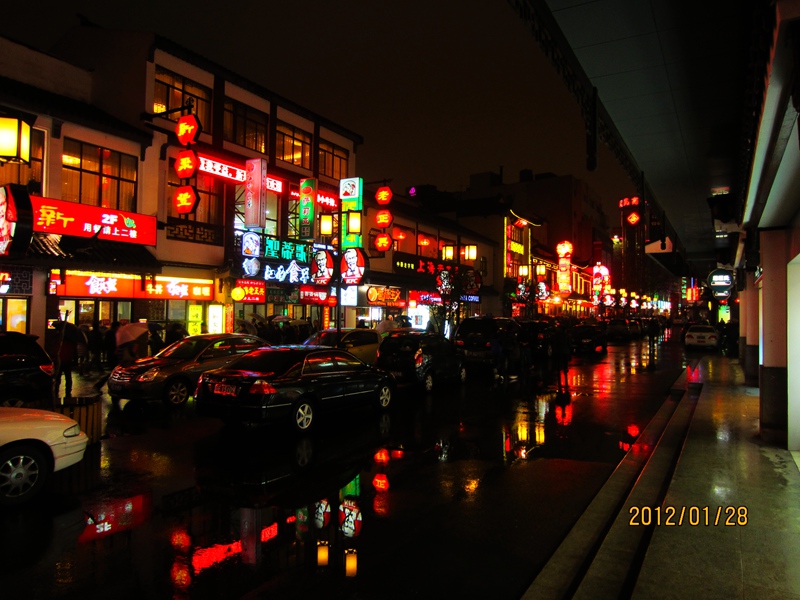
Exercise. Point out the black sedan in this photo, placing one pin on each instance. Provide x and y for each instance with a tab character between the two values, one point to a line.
588	338
297	383
171	374
417	356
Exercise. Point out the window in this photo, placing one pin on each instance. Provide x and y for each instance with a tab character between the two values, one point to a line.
245	126
348	363
427	245
333	160
293	145
320	362
405	240
29	175
173	90
98	176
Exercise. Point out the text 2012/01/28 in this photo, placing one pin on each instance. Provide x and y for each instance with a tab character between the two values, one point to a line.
729	516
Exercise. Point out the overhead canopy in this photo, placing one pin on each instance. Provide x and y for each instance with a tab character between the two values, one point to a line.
56	251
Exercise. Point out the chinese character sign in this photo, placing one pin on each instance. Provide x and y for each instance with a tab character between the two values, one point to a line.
82	220
255	192
308	197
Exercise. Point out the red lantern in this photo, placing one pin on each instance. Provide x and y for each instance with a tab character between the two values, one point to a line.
397	454
383	241
184	199
186	164
383	195
381	482
384	218
382	456
188	129
332	301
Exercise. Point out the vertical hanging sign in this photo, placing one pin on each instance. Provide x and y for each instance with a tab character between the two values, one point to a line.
187	130
351	196
308	198
255	192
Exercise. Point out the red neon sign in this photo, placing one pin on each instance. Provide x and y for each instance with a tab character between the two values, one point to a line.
383	241
186	164
218	168
383	218
185	199
82	220
124	285
383	195
255	290
188	129
633	218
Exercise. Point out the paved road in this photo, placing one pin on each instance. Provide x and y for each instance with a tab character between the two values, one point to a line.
484	481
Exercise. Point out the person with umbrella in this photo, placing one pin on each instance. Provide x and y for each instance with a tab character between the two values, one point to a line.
155	342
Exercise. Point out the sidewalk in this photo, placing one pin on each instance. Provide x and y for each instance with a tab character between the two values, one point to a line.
708	466
725	464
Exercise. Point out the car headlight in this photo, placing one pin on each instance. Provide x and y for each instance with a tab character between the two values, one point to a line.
72	431
148	375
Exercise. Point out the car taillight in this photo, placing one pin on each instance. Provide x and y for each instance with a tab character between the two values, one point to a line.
540	336
459	342
262	386
712	337
690	335
48	368
418	358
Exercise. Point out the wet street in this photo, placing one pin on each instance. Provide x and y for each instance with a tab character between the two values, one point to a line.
461	492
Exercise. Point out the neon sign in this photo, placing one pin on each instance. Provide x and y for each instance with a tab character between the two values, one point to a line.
82	220
125	285
254	290
290	273
216	167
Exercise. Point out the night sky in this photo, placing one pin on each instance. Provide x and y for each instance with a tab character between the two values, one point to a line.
438	89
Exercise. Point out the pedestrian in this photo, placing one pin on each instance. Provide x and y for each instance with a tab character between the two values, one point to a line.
110	345
562	353
155	342
66	358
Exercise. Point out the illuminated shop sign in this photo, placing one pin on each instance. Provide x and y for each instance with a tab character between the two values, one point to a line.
322	267
308	198
188	129
249	290
279	295
384	296
421	297
185	199
82	220
255	192
351	194
126	285
251	244
349	518
411	263
721	279
280	249
15	220
352	265
216	167
310	294
289	272
470	298
322	199
515	247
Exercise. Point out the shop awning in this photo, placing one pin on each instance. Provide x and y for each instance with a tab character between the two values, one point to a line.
52	251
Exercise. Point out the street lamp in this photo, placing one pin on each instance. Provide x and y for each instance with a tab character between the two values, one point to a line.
15	137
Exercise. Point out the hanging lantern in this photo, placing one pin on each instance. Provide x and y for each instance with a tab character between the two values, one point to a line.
380	482
188	129
383	195
186	163
382	456
383	242
15	140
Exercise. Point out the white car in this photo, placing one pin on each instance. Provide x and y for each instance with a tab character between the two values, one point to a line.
34	444
703	336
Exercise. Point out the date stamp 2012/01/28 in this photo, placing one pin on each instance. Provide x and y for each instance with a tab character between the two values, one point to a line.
676	516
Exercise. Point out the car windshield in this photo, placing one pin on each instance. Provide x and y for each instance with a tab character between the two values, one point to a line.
323	338
485	327
264	361
186	348
702	329
400	344
585	329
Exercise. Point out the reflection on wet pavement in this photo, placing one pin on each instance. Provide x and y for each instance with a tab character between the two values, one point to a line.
173	506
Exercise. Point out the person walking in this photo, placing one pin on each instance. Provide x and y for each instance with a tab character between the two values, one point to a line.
562	352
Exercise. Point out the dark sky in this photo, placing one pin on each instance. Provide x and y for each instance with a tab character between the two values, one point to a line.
439	89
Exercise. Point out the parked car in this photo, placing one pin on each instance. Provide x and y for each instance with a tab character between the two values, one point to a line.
618	330
171	374
26	370
539	333
33	444
588	338
704	336
474	336
294	383
417	356
361	342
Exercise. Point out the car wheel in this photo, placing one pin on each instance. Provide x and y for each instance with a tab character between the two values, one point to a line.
23	472
13	402
177	392
385	395
428	381
303	415
462	375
